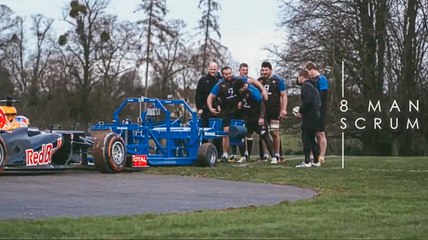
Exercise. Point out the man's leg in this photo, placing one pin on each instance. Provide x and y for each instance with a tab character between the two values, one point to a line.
306	138
322	142
249	144
314	147
225	144
267	142
274	124
234	154
321	138
244	151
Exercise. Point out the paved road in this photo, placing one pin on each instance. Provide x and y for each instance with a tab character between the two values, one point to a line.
81	193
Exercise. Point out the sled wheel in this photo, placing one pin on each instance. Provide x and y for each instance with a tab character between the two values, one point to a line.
207	155
109	153
3	154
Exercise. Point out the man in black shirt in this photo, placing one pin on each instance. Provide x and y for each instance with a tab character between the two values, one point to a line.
276	106
309	112
203	89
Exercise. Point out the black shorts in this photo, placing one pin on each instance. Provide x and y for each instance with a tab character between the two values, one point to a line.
226	120
251	122
238	114
321	126
272	113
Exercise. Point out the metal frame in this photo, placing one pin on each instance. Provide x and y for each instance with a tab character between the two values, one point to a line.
163	141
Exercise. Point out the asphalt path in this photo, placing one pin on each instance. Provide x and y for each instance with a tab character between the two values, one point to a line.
82	193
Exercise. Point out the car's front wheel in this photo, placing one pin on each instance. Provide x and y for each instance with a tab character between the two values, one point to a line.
109	153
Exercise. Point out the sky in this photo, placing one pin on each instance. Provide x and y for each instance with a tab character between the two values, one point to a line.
246	26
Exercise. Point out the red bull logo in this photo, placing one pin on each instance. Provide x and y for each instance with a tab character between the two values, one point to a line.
42	157
3	119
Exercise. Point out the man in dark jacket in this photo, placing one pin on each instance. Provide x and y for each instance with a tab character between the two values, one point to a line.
205	85
203	89
309	112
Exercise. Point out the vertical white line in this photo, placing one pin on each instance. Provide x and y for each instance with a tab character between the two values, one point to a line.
343	96
343	150
343	79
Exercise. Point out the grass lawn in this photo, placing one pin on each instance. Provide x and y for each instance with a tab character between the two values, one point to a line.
373	197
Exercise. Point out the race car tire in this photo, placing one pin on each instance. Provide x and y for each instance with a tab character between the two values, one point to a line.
207	155
3	154
109	153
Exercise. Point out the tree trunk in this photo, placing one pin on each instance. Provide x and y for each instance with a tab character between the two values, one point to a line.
368	50
407	82
149	35
207	36
381	23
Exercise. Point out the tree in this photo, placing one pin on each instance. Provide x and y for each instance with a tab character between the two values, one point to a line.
169	58
211	49
27	64
383	44
8	23
116	56
38	61
79	49
154	28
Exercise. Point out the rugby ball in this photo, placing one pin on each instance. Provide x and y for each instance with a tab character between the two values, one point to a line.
296	111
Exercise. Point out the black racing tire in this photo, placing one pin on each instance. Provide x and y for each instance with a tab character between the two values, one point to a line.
3	155
207	155
109	153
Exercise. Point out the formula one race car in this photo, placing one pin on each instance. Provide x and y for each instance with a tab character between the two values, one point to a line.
21	145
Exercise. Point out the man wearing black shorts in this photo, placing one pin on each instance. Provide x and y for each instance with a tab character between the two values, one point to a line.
323	85
275	106
243	72
228	103
250	100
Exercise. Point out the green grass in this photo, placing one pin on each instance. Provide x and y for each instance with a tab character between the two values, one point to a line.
373	197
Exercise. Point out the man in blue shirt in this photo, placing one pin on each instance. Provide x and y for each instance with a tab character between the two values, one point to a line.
250	100
243	72
323	85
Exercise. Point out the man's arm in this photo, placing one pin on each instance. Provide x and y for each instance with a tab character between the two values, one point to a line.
283	98
259	85
262	113
210	100
284	102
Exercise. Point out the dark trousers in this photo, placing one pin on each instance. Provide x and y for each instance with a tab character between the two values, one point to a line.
216	141
309	144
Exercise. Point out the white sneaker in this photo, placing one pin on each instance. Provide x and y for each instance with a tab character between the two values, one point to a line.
318	164
304	165
274	160
242	160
